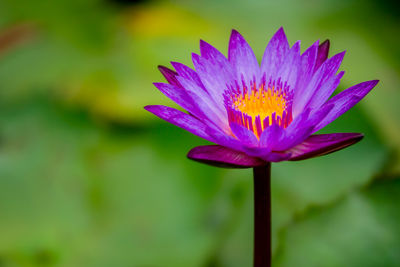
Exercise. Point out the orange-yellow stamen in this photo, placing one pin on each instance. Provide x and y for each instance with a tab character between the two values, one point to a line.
261	103
260	108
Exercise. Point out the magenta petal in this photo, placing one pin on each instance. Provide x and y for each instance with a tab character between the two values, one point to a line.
277	156
215	72
203	101
197	102
243	59
345	100
211	53
223	157
306	68
323	51
274	54
324	73
187	73
318	145
301	128
325	91
289	70
271	136
226	140
246	136
169	75
179	96
181	119
266	154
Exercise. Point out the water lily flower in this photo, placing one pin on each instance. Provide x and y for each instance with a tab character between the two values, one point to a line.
260	113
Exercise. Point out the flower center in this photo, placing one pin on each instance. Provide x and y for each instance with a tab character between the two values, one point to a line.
261	107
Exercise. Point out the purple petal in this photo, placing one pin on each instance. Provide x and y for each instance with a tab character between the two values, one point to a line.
187	73
318	145
295	131
243	60
266	154
195	101
345	100
211	53
277	156
179	96
215	72
328	69
243	134
223	157
274	54
226	140
289	70
306	69
271	136
169	75
301	128
323	51
325	91
203	102
181	119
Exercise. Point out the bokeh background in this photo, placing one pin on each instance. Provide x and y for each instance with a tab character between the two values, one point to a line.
88	178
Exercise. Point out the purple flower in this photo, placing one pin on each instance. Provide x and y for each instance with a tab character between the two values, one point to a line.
257	114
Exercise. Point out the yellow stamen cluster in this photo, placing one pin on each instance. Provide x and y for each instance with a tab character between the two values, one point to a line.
261	103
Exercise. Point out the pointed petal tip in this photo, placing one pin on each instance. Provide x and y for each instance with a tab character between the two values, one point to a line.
281	30
236	40
364	87
234	32
326	43
166	71
323	144
165	86
341	54
203	43
235	35
161	67
371	83
168	74
158	84
296	46
374	82
205	48
195	56
175	63
150	108
279	34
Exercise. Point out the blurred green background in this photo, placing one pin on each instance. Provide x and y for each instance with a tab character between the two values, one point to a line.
88	178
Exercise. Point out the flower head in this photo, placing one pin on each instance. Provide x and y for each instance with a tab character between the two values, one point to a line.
257	114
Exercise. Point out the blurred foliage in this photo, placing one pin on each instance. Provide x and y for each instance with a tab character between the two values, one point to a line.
88	178
364	222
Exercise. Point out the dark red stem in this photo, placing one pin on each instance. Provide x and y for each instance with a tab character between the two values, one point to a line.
262	216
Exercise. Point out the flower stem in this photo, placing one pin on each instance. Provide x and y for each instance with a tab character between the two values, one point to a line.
262	216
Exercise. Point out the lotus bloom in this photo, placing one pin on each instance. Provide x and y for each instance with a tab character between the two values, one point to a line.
260	113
